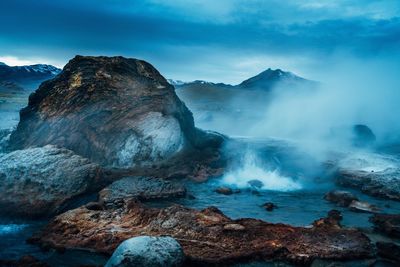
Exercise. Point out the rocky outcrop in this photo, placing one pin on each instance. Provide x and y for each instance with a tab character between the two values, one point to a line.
384	184
143	188
115	111
143	251
375	174
388	224
206	236
38	181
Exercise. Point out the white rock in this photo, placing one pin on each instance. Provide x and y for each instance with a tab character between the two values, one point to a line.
147	251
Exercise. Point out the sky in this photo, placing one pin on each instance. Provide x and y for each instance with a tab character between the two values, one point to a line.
215	40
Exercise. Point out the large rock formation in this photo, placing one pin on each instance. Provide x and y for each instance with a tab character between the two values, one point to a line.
115	111
38	181
207	236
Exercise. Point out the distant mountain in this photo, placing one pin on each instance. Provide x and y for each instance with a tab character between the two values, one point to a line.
265	81
219	106
26	77
269	78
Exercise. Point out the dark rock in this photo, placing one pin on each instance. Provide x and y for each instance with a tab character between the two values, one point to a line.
38	181
389	251
206	236
269	206
224	190
256	184
388	224
94	206
143	188
335	215
341	198
332	221
115	111
363	136
147	251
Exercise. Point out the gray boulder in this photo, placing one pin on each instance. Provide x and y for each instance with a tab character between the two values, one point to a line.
147	251
38	181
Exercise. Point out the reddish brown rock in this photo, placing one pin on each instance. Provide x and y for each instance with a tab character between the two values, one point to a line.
207	236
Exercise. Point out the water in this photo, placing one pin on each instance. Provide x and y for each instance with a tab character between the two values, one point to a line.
299	207
251	170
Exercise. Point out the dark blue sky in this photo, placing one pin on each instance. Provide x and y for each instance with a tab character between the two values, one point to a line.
217	40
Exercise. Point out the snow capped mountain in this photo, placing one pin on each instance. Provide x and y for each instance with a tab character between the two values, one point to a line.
269	78
41	68
265	81
175	82
28	77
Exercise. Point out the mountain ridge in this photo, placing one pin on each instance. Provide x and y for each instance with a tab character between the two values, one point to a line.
265	80
27	77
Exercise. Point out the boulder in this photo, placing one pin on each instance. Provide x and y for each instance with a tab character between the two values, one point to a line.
269	206
207	237
362	206
341	198
388	224
143	251
363	136
255	184
224	190
143	188
38	181
116	111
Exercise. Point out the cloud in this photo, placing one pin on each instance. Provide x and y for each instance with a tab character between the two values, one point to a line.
211	37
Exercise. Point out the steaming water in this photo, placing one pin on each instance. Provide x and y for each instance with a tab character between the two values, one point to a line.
252	170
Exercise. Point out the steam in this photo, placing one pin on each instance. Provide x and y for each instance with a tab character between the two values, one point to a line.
319	122
251	170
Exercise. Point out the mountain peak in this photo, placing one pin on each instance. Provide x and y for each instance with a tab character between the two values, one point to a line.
268	78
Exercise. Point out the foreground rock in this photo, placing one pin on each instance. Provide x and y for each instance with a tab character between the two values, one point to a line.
143	188
387	223
38	181
115	111
207	236
145	251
